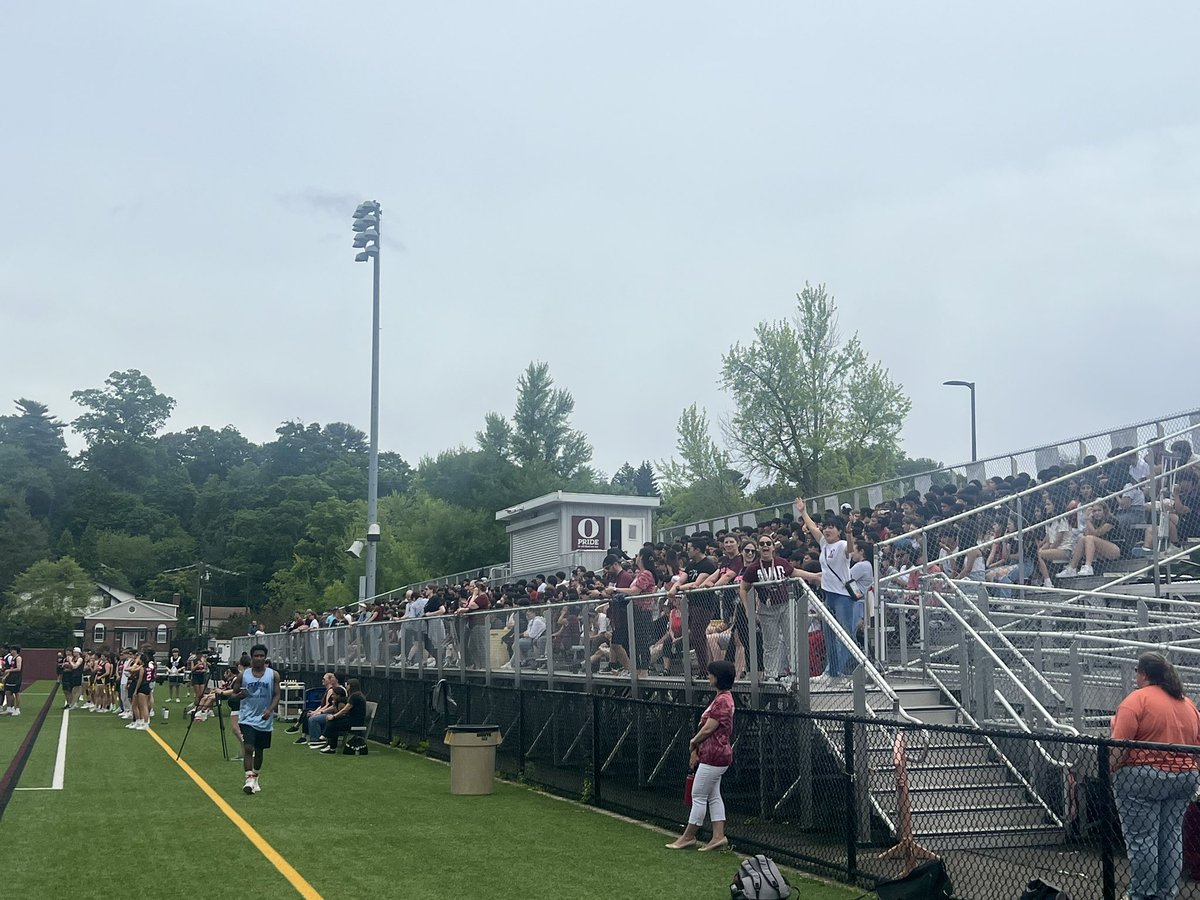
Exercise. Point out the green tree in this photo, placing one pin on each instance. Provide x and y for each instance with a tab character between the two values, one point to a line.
127	408
44	602
703	480
36	432
23	541
623	478
205	451
540	434
805	398
645	484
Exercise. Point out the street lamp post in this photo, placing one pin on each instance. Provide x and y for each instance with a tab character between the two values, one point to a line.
368	218
971	386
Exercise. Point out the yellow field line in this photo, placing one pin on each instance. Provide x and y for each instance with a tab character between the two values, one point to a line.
305	889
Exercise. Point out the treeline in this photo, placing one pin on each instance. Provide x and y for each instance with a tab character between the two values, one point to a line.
267	524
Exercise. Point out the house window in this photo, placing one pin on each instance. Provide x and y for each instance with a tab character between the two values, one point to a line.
97	633
160	636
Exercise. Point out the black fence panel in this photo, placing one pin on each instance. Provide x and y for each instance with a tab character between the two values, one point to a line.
861	799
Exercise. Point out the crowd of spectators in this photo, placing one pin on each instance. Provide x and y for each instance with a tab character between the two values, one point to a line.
1077	521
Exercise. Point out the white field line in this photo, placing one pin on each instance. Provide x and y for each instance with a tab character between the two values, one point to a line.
60	759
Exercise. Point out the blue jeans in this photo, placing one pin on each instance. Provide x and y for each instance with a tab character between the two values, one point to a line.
1151	804
316	724
849	613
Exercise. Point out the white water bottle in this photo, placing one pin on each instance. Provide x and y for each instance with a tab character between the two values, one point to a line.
166	714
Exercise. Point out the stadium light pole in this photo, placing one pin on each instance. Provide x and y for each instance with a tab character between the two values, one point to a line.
971	386
368	218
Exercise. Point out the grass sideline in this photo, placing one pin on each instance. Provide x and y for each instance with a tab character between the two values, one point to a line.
380	825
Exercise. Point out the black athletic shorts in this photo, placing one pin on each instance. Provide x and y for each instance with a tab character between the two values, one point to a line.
145	688
13	685
254	738
199	678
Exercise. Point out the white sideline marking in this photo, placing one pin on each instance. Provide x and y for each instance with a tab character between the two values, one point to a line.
60	759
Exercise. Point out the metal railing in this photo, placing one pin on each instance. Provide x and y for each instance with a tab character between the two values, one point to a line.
489	644
1030	460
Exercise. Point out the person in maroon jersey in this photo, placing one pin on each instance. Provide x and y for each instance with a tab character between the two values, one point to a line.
767	574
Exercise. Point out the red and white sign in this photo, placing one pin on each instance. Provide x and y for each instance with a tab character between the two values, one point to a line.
587	533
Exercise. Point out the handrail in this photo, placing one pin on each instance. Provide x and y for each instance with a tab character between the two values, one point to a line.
1007	671
996	749
1021	724
1007	643
929	473
856	652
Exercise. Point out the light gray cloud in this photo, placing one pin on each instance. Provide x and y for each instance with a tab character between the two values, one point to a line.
1005	195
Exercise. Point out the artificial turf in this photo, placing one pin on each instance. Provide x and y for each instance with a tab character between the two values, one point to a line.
383	825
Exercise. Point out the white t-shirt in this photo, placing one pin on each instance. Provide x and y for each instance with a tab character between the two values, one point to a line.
835	567
537	627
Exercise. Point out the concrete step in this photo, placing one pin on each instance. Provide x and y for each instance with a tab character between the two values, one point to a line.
983	796
934	715
940	821
988	838
918	695
920	777
954	754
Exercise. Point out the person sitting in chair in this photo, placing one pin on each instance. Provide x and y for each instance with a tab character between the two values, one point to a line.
353	714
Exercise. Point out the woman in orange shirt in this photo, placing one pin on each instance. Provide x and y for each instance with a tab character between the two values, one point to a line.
1154	787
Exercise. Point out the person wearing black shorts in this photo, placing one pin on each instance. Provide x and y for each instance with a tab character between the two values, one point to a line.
72	678
257	689
199	677
12	680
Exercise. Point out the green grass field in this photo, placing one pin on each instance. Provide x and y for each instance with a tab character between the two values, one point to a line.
384	825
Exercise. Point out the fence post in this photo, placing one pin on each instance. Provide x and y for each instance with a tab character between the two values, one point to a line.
684	612
521	732
851	800
1021	579
751	609
1107	870
596	764
859	771
461	638
1076	686
631	652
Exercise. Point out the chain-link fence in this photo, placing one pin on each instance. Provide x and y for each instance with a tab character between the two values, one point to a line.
858	798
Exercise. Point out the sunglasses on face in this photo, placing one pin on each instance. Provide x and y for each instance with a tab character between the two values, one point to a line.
749	550
765	544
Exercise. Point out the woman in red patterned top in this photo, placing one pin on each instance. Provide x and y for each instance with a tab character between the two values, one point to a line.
711	753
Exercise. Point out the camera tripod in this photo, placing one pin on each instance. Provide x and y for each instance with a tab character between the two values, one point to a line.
220	721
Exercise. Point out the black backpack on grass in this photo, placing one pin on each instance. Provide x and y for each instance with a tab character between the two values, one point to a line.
928	881
758	878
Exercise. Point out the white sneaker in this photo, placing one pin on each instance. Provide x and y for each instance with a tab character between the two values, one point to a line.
143	726
125	715
15	712
248	787
1084	571
1069	572
1048	583
132	725
254	785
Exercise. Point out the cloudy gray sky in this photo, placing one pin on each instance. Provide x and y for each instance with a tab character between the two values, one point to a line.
1008	194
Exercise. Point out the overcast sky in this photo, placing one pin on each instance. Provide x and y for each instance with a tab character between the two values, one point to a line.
1008	194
